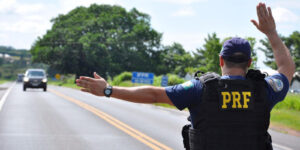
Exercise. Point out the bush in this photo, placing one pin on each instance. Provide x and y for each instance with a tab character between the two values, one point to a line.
125	76
157	80
124	79
174	79
291	101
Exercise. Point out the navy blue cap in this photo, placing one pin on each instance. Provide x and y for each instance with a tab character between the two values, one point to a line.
235	46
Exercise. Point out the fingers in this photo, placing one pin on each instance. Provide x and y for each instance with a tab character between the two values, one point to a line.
96	76
83	83
86	78
254	23
262	11
84	90
270	13
258	11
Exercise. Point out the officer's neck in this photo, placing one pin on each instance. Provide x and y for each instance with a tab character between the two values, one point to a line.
233	72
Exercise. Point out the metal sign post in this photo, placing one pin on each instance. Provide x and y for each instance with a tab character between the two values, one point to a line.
164	81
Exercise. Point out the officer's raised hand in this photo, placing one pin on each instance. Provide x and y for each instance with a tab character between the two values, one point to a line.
94	85
266	23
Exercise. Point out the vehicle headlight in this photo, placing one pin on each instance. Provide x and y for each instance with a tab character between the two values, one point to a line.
44	80
26	79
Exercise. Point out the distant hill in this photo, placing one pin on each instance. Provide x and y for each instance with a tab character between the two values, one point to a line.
14	52
18	62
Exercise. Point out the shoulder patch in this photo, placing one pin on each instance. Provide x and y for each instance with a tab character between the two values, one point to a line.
276	84
187	85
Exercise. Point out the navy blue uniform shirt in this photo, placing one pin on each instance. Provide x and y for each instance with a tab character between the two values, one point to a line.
189	93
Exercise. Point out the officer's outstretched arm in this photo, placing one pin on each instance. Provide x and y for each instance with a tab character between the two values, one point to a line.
266	25
142	94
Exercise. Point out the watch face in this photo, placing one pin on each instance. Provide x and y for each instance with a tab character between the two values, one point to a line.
107	91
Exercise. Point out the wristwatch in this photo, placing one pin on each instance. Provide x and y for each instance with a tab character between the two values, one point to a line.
108	91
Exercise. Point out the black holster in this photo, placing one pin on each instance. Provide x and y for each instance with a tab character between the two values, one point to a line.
185	135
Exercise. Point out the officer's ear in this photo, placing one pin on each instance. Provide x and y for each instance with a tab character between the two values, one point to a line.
221	61
249	63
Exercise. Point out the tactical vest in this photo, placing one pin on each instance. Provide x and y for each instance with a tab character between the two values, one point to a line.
233	115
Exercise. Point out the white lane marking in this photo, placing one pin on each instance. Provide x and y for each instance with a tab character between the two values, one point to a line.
3	99
281	147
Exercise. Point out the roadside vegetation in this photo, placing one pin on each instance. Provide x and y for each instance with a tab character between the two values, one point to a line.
3	81
287	112
66	81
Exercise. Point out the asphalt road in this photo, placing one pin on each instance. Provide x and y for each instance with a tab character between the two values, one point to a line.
67	119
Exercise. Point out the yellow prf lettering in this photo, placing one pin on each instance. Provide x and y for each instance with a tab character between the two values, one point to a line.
226	99
246	96
236	97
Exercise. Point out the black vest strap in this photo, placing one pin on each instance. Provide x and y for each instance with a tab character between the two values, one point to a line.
209	77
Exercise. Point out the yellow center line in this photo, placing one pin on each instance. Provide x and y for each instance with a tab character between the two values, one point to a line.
118	124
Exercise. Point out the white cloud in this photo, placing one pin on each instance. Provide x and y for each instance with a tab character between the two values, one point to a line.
26	25
23	17
29	8
12	6
284	15
180	1
21	22
190	41
288	3
2	35
187	11
6	5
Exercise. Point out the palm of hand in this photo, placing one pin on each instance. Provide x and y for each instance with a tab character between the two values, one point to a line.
266	21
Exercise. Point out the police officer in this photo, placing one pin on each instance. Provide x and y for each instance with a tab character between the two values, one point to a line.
231	111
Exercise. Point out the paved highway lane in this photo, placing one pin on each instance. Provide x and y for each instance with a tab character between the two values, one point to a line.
63	119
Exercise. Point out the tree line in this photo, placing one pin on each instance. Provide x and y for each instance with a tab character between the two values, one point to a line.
109	39
14	61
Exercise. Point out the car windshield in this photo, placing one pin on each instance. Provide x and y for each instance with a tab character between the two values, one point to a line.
35	73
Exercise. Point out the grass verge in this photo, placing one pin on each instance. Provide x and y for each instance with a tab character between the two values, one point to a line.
286	114
286	118
66	82
59	83
2	81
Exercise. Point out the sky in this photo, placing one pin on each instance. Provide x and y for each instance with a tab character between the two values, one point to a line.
187	22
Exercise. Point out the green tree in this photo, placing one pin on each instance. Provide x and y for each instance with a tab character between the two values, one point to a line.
175	59
292	42
207	57
267	49
252	42
1	61
101	38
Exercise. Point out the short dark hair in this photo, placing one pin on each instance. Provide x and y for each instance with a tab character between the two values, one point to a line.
236	61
